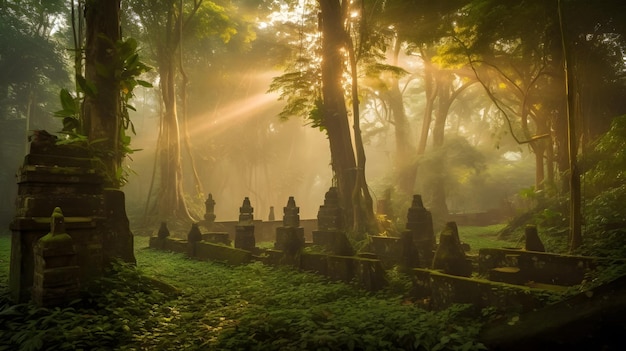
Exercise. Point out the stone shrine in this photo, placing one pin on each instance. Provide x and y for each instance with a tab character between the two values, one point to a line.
450	257
331	233
290	237
244	230
419	226
164	231
209	214
65	176
56	268
532	242
193	237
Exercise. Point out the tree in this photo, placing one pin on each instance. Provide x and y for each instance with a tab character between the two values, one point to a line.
547	64
31	60
317	90
165	24
349	169
102	106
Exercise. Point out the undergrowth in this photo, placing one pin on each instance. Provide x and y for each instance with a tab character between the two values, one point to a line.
211	306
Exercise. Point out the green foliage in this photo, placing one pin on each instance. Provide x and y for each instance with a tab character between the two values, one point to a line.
482	237
605	214
125	68
605	229
361	323
301	91
218	307
31	61
607	161
550	215
101	320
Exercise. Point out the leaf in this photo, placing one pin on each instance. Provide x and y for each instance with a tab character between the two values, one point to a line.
86	87
67	102
143	83
132	62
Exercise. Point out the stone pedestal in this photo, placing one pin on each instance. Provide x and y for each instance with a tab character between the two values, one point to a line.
158	241
289	240
217	238
532	241
330	224
244	237
450	257
56	270
330	215
118	241
244	230
419	226
410	254
64	176
335	242
209	214
193	237
290	237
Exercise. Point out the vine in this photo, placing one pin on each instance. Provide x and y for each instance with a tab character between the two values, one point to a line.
126	67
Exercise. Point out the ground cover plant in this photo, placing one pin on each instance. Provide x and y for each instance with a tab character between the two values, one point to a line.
170	302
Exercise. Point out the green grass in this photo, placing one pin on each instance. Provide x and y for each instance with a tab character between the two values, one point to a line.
5	256
483	237
218	307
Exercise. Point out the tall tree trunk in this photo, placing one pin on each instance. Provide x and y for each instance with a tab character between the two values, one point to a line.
430	90
437	188
446	94
364	218
575	235
539	150
170	200
334	112
405	159
102	120
183	98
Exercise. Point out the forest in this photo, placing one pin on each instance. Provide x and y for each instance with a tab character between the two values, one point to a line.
500	114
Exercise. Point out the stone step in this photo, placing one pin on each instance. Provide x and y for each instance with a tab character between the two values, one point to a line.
47	189
56	175
511	260
511	275
58	160
76	206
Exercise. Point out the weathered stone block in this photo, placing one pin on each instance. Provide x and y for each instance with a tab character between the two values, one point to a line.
420	278
448	290
63	176
117	239
221	253
388	249
244	237
48	281
157	243
271	257
540	267
369	273
450	257
175	245
335	242
289	239
217	238
314	262
56	277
